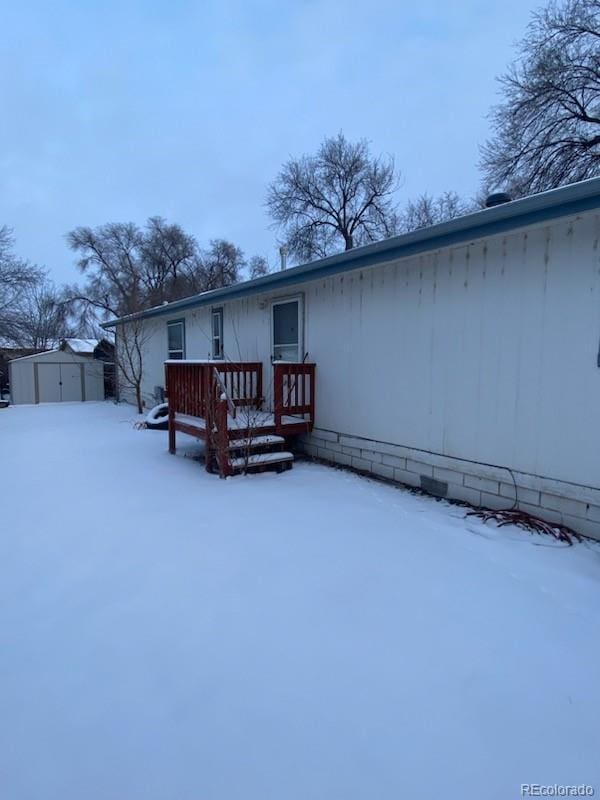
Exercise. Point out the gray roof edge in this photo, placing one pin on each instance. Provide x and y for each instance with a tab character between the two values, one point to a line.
551	204
34	355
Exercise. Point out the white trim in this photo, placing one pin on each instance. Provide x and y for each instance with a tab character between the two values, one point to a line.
171	324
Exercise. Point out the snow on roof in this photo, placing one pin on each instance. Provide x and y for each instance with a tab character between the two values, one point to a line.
35	355
81	346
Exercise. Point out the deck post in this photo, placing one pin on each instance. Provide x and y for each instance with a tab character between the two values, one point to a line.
277	395
208	408
171	415
259	386
172	443
312	394
222	437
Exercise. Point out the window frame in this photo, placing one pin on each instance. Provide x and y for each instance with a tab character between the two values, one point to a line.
299	299
217	312
171	353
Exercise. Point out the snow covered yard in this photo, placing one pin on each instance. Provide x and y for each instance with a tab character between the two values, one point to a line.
167	635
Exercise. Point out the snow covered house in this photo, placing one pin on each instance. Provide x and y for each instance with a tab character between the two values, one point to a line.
462	358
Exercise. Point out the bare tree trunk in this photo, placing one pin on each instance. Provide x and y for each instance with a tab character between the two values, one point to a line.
138	398
129	354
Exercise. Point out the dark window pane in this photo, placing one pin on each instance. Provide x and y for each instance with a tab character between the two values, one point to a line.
217	330
176	336
285	323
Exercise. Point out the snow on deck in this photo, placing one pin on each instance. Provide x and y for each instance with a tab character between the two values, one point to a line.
260	458
166	634
243	420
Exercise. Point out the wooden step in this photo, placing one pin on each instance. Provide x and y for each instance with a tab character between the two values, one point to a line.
255	442
262	460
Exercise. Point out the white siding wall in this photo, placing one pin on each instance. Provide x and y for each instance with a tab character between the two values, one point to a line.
22	387
484	352
246	334
94	380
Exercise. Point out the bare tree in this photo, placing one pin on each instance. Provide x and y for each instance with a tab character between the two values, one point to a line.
219	265
168	258
16	277
427	210
118	284
128	269
110	260
258	266
130	342
42	317
547	126
340	197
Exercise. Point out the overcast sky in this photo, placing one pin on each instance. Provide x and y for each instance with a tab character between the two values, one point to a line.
118	110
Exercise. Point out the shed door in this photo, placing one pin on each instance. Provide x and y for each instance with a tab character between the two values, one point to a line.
48	383
70	377
59	382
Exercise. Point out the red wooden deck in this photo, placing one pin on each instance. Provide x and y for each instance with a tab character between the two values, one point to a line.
223	402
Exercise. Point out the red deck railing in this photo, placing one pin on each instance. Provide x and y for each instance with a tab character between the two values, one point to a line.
294	390
191	386
212	391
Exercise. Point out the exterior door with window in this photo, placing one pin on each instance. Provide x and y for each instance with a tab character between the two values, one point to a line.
287	330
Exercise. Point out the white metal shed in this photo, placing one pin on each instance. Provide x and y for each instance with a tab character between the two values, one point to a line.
55	376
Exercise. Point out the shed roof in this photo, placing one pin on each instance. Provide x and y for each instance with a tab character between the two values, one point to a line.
80	346
35	355
56	356
537	208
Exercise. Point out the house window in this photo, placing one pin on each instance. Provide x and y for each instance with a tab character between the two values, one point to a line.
217	333
176	338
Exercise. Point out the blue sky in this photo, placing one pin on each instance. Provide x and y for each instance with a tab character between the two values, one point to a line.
117	111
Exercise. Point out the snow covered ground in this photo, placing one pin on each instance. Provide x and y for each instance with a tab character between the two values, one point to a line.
167	635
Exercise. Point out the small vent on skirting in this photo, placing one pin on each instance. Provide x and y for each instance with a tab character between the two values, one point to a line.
431	486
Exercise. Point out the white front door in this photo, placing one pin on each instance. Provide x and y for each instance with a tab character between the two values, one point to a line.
286	326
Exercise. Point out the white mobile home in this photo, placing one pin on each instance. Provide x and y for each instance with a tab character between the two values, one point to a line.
462	358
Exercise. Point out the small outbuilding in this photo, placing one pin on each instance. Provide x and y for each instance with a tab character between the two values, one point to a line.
70	373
